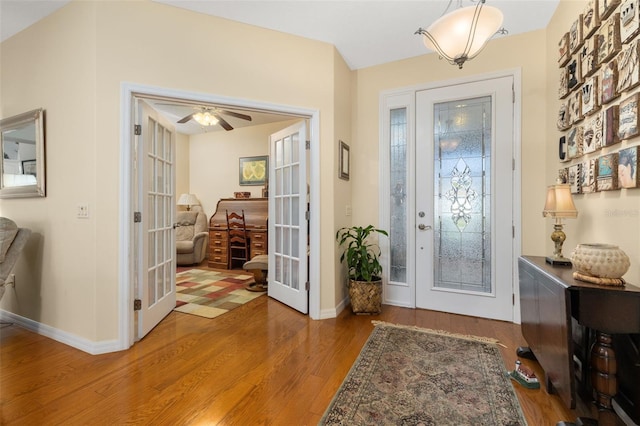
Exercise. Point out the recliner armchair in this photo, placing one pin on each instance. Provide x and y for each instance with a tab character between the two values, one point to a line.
12	241
192	237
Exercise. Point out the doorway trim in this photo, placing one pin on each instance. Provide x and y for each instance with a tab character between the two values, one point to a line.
126	296
406	97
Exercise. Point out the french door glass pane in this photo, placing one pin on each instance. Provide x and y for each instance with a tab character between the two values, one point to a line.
398	191
462	196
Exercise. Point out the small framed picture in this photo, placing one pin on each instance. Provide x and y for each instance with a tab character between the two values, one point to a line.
605	7
592	134
588	175
628	68
629	22
628	176
563	175
628	117
344	161
575	176
589	57
575	107
590	19
563	117
575	35
609	82
574	142
563	83
574	76
607	172
29	167
254	170
609	39
590	98
563	50
610	126
563	155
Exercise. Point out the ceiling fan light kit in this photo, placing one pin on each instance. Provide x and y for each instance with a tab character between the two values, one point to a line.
460	35
205	119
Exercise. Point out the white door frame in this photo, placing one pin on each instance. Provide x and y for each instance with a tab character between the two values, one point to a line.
405	97
126	296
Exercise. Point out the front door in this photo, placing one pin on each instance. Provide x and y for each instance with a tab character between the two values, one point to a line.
155	274
287	218
464	198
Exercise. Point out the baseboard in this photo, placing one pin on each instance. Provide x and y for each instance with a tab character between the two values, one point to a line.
80	343
333	313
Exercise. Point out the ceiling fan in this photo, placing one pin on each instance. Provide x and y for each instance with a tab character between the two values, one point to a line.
210	116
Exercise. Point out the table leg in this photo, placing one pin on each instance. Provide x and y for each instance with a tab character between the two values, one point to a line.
603	377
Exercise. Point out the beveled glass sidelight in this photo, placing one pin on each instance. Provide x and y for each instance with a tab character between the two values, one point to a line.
22	169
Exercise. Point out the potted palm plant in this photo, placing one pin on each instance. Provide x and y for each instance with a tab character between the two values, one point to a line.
364	269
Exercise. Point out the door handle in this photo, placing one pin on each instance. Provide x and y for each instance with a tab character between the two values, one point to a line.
424	227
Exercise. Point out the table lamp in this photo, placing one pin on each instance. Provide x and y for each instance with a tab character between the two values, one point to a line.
188	200
559	205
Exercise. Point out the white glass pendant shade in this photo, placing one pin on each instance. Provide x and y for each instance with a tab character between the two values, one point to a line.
453	35
205	118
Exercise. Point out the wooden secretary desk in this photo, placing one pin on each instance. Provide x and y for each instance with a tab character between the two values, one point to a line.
256	211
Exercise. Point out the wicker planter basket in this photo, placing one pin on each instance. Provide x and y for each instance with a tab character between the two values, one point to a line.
366	297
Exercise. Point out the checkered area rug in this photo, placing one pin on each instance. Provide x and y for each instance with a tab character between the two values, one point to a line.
211	293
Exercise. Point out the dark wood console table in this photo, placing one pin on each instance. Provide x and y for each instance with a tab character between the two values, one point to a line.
549	298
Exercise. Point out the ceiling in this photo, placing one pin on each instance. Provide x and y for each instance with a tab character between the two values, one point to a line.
365	32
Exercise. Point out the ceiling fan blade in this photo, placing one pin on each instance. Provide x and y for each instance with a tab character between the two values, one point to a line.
235	114
222	122
184	120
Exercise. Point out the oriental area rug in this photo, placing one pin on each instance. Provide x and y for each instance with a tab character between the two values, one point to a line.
211	293
412	376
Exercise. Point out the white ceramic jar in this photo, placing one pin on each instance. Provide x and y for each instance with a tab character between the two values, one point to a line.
600	260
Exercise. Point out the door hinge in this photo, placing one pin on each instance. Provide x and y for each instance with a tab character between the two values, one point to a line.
137	129
513	164
307	145
513	231
306	286
307	215
137	217
137	304
513	299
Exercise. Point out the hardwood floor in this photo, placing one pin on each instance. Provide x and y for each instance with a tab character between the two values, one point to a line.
260	364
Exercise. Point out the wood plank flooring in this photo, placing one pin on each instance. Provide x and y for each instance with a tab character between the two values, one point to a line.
260	364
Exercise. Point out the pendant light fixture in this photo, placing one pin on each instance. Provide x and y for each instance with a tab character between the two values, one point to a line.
460	35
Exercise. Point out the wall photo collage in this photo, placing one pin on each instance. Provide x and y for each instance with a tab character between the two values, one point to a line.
598	59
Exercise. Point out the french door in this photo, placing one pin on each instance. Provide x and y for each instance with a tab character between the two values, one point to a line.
464	198
155	272
288	217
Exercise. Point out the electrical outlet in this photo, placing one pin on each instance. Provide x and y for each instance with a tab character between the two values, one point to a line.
82	211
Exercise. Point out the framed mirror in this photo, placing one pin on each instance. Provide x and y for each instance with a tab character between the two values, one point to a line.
22	169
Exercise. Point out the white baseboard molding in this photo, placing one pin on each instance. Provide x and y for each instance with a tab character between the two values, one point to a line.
333	313
93	348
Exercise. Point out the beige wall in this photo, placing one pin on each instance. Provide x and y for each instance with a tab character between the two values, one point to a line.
182	164
214	161
73	64
429	69
611	217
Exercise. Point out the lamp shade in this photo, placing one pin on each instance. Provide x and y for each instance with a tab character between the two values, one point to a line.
188	200
205	118
460	35
559	202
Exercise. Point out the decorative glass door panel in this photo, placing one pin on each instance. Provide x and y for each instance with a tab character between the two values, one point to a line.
462	195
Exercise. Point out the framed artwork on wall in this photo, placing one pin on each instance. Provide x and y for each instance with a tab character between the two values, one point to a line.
574	142
629	22
563	117
575	176
590	98
608	172
563	83
562	149
628	117
605	7
563	175
628	176
563	50
628	68
574	76
610	126
592	134
609	82
609	39
575	35
589	57
590	19
254	170
588	174
575	107
344	161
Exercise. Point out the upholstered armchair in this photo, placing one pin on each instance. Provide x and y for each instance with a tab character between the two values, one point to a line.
12	241
192	237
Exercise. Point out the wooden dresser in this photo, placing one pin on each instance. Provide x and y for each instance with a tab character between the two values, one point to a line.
256	212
